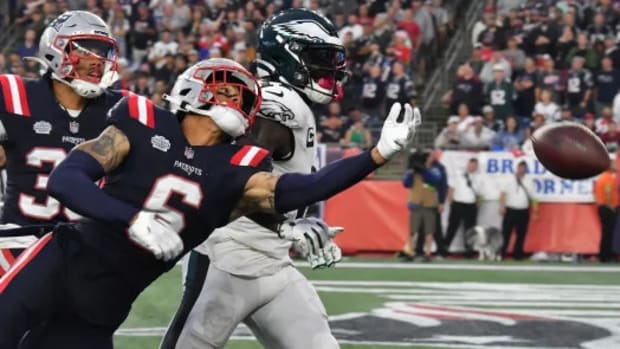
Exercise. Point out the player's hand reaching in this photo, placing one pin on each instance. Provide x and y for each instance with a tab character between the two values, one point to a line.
152	232
313	240
397	134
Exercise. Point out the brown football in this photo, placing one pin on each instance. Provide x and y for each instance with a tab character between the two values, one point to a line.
570	150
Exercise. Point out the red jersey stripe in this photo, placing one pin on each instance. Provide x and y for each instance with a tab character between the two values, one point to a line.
23	260
23	98
6	92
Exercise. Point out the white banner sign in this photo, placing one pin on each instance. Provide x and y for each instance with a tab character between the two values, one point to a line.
498	167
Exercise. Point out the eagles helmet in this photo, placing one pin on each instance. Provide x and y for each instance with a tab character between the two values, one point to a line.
80	36
195	92
301	48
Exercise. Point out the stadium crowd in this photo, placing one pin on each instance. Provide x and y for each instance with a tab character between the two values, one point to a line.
533	63
389	45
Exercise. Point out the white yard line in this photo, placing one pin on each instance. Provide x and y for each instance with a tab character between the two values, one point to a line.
474	266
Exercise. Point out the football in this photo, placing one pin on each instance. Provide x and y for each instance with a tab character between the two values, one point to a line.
570	150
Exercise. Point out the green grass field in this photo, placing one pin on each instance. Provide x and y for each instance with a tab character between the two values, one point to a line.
383	304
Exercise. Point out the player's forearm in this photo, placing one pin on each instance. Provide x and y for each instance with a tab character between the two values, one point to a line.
72	183
294	191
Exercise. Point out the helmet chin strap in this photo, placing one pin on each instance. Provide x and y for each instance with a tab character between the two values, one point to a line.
88	89
229	120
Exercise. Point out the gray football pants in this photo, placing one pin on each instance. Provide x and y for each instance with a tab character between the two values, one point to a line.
282	310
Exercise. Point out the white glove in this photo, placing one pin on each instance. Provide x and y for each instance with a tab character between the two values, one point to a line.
395	136
312	239
150	231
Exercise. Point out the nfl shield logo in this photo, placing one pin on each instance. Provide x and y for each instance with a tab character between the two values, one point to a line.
74	127
189	153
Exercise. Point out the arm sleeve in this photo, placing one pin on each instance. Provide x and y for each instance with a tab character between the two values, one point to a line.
73	184
294	191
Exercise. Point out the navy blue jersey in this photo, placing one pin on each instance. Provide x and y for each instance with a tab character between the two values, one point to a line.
40	134
201	184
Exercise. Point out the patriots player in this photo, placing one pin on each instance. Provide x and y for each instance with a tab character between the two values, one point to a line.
169	184
250	276
41	120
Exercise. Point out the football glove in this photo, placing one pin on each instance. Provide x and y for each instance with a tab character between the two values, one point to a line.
152	232
312	239
395	135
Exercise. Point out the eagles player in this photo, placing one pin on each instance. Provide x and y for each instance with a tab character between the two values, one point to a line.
251	278
41	120
169	184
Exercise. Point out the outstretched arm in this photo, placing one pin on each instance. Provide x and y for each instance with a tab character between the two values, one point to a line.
271	193
73	181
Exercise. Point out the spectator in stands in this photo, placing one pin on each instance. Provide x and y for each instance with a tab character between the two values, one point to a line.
500	93
373	91
601	124
467	89
143	33
428	183
332	125
488	69
585	50
578	87
607	83
606	196
493	36
567	114
29	47
449	137
599	30
442	21
119	25
409	25
464	117
142	86
475	61
611	138
399	88
487	20
464	188
488	113
525	87
516	199
510	138
424	18
477	136
162	49
547	107
550	79
358	135
542	38
514	54
565	44
589	121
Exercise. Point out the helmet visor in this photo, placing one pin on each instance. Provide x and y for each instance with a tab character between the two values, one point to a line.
94	47
325	58
229	87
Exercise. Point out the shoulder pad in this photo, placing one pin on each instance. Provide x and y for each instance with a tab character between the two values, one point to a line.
249	155
132	109
282	104
14	98
139	108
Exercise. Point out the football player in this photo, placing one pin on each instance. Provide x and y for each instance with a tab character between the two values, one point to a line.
41	120
250	276
169	184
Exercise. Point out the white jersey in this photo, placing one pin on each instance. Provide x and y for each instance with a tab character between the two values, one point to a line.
243	247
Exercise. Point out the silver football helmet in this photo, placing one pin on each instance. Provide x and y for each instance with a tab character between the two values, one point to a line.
79	49
197	89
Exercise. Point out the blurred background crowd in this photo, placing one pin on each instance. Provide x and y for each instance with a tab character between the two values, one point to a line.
391	46
533	63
